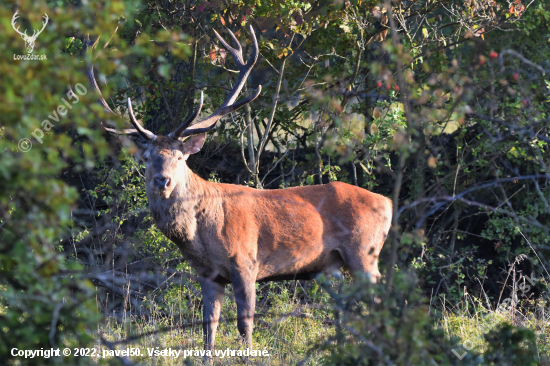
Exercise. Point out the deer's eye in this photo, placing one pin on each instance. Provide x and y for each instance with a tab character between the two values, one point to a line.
145	158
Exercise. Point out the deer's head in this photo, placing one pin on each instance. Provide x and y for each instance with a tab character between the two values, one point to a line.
165	157
29	40
165	162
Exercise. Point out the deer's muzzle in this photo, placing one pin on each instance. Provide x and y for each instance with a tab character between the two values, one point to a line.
162	182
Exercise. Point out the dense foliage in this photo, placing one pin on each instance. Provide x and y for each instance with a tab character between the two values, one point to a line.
441	105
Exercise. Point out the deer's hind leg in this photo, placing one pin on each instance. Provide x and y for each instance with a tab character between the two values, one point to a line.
244	286
363	260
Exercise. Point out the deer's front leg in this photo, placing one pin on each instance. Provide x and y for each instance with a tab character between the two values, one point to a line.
244	286
212	298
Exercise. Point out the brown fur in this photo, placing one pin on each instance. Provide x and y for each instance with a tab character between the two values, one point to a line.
240	235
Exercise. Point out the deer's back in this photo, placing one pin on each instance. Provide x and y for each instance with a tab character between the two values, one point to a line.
299	229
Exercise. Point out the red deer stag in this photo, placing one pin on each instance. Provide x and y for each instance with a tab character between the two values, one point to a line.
240	235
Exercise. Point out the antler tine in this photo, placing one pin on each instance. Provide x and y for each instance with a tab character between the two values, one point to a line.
228	105
244	69
13	23
220	113
126	131
237	53
44	25
178	131
91	77
147	135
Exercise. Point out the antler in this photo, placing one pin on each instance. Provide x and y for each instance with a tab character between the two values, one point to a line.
208	123
139	130
13	24
35	35
228	105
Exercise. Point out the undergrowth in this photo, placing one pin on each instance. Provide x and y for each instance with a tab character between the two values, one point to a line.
340	321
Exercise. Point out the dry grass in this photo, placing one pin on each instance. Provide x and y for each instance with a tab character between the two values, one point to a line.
472	318
288	329
293	321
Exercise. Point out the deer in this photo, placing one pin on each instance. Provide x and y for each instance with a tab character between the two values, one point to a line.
239	235
29	40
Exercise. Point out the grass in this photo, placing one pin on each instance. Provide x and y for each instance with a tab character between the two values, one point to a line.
295	319
287	339
472	319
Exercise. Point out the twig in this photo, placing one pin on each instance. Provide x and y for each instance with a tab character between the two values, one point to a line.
111	345
53	325
521	57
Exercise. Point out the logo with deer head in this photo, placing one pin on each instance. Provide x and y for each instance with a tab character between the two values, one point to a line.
29	40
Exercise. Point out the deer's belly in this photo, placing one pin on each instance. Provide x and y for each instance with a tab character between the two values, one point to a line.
298	263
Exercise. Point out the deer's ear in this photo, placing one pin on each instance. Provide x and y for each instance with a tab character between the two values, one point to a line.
139	143
194	144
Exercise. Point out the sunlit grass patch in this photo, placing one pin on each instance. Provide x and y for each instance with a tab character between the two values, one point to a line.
472	320
289	329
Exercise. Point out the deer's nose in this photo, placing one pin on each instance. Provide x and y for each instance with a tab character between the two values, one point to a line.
162	182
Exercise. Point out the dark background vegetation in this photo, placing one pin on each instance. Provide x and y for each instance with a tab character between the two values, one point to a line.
441	105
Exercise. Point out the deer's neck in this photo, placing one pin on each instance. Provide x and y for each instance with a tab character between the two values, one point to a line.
179	216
